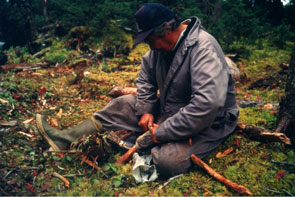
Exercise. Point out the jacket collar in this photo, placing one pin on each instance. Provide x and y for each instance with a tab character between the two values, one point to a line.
193	35
190	39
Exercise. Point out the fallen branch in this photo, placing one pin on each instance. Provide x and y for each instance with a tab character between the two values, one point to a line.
260	134
127	156
169	181
127	135
25	134
92	164
40	53
63	151
112	137
239	188
8	123
288	193
119	91
283	163
270	190
20	167
63	179
22	67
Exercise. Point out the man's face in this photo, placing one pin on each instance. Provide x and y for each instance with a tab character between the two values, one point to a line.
159	43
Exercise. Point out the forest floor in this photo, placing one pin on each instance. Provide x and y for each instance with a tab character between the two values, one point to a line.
67	97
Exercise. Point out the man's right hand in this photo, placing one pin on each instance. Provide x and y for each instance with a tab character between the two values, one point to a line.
145	121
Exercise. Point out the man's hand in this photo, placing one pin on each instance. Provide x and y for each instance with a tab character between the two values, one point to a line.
146	121
154	127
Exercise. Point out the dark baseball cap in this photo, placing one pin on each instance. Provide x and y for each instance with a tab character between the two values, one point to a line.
148	17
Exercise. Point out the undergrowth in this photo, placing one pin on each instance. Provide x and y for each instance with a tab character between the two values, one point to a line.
27	165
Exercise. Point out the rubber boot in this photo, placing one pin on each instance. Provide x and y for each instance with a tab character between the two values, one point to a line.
62	139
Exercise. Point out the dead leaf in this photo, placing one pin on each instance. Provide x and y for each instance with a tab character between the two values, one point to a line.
30	187
268	106
83	159
12	182
265	156
280	174
210	161
35	172
37	74
3	101
248	95
43	187
59	114
54	122
42	91
237	142
28	121
8	123
226	152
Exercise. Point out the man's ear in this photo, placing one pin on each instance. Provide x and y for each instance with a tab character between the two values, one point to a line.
168	30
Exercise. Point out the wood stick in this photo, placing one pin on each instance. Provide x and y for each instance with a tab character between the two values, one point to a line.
66	182
112	137
22	67
127	156
260	134
119	91
239	188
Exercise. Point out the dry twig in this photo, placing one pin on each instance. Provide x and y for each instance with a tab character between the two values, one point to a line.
66	182
239	188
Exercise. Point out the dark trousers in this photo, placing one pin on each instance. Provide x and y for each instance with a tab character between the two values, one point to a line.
170	158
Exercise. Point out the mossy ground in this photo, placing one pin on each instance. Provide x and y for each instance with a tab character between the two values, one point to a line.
27	166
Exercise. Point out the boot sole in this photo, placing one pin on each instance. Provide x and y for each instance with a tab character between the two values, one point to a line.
44	134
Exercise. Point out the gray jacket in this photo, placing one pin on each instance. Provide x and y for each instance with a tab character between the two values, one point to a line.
197	95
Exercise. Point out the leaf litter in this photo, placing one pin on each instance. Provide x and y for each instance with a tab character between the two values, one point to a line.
27	167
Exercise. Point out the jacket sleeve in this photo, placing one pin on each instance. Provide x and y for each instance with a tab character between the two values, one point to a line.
146	87
209	83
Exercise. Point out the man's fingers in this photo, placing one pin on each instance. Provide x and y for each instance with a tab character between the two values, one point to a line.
150	123
145	121
142	126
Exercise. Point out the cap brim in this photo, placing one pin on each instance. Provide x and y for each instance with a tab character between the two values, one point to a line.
142	36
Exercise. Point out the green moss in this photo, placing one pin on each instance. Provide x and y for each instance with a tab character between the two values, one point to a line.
262	62
56	56
116	41
258	117
273	95
249	164
139	51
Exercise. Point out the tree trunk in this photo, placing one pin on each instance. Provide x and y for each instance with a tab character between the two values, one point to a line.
287	106
215	13
26	10
45	11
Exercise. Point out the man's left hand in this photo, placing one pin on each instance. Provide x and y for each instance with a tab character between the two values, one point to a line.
155	126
